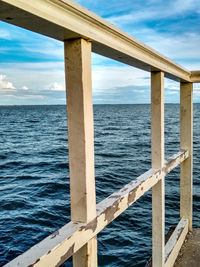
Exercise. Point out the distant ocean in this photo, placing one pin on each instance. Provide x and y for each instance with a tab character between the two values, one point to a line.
34	178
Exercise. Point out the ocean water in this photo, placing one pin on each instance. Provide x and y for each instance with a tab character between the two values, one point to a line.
34	178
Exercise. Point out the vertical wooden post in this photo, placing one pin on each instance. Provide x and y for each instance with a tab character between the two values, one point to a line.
81	142
186	142
157	148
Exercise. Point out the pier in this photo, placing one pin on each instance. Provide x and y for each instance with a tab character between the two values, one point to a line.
83	32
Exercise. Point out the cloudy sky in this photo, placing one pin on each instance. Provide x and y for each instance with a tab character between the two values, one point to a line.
32	66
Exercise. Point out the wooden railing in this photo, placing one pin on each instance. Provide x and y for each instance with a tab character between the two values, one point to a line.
83	32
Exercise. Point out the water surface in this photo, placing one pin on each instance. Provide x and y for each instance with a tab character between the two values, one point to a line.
34	179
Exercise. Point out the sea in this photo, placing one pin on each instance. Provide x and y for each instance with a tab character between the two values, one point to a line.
34	177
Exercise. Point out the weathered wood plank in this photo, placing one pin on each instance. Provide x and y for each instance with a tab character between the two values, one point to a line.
186	142
81	142
175	160
62	244
189	254
65	19
175	242
157	152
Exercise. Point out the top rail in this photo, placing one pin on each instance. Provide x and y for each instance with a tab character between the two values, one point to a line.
65	19
195	76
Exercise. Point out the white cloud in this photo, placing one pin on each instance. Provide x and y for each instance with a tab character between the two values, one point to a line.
156	11
177	47
30	96
172	92
173	87
56	87
105	77
180	6
24	87
4	84
46	48
179	42
35	76
4	34
182	48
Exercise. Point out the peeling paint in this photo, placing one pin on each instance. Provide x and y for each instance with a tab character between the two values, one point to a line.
110	212
32	265
55	234
174	161
175	236
68	254
90	226
114	196
124	189
131	197
133	182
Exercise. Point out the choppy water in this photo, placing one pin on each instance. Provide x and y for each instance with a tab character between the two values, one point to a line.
34	178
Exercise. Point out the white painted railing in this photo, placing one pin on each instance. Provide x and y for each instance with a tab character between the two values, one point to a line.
82	33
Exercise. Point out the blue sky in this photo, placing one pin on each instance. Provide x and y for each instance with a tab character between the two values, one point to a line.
32	66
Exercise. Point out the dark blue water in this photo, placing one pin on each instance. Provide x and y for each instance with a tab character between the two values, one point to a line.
34	178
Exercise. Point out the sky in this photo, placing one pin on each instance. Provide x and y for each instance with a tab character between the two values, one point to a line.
32	66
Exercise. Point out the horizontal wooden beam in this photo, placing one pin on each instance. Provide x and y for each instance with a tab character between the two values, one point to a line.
65	19
175	160
195	76
175	242
58	247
